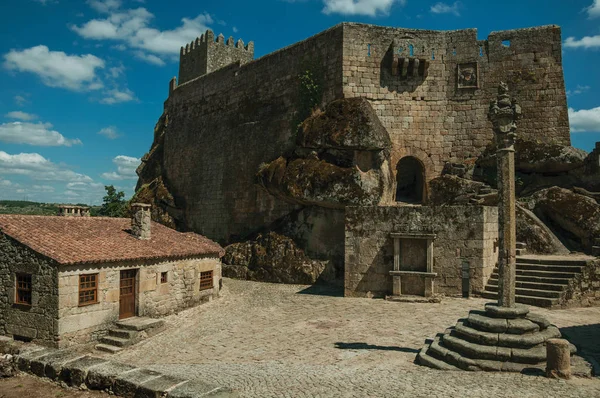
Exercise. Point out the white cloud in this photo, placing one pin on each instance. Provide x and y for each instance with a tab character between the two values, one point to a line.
55	68
235	30
109	132
116	96
116	71
584	120
150	58
126	166
85	186
132	27
37	167
370	8
579	90
5	183
104	6
21	115
34	134
585	42
20	100
443	8
593	11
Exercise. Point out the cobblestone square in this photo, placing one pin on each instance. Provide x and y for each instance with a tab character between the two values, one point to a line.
268	340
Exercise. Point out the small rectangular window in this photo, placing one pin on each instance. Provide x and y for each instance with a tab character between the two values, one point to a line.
88	289
23	288
163	277
206	280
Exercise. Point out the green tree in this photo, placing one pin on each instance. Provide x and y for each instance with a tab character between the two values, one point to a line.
113	203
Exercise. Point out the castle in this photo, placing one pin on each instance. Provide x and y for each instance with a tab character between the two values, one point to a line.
229	117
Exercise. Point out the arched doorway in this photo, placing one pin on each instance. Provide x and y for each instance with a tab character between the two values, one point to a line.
410	180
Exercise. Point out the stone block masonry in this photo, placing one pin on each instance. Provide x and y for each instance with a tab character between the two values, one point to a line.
223	123
463	234
155	298
38	321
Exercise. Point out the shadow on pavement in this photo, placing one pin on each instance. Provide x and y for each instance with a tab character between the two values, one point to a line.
365	346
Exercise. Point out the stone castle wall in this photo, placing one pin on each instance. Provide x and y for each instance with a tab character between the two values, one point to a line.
37	322
225	124
463	234
431	118
154	299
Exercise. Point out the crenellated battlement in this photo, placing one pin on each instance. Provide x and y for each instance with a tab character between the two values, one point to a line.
207	54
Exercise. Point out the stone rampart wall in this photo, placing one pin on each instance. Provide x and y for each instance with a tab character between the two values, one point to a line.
463	234
223	125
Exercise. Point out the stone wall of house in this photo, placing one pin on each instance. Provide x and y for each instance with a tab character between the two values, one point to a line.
463	234
584	289
154	299
38	322
430	117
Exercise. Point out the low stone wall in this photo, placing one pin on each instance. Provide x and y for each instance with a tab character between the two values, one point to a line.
87	372
584	289
464	234
38	321
83	324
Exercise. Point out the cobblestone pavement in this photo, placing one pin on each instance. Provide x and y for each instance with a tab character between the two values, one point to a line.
268	340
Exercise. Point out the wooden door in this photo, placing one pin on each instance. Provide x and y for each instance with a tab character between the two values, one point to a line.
127	293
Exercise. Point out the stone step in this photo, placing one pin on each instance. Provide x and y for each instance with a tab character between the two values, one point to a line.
108	348
533	355
425	359
116	341
521	245
549	268
552	261
140	323
123	333
535	279
503	339
533	285
543	302
529	292
481	321
520	252
485	190
548	274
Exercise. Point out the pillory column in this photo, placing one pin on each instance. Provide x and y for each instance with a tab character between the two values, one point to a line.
140	220
503	114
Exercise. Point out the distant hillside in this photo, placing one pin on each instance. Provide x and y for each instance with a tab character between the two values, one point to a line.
26	207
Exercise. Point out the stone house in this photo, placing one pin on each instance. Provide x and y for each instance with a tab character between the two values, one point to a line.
66	280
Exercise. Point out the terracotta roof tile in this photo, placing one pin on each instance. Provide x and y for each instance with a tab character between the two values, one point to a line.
77	240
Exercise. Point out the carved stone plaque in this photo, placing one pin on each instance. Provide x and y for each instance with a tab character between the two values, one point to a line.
468	75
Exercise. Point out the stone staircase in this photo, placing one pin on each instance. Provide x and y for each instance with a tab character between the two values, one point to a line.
482	194
542	281
128	332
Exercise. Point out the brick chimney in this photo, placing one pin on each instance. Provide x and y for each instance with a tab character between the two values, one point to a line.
140	220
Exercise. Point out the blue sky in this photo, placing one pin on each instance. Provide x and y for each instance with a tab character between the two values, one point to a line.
83	82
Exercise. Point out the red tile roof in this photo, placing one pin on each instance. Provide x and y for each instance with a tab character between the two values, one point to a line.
78	240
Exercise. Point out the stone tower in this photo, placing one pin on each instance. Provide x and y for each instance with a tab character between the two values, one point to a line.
205	55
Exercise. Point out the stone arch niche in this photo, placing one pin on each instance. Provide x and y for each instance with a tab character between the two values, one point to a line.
410	180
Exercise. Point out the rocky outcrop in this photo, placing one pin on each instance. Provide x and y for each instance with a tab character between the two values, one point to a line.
164	209
346	124
536	235
272	258
341	159
538	157
576	216
452	190
314	181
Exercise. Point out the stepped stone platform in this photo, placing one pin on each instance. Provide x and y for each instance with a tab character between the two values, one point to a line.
497	339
